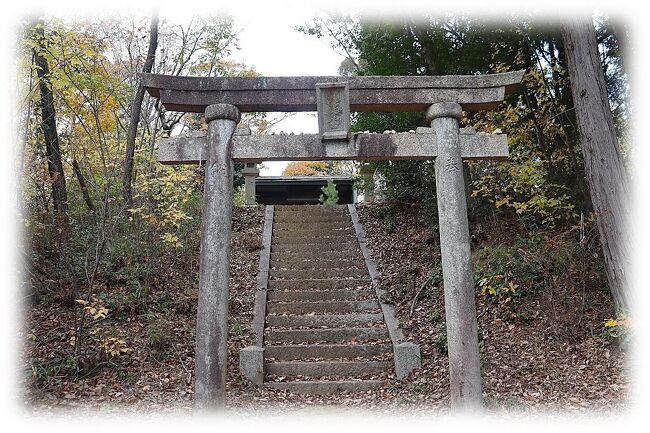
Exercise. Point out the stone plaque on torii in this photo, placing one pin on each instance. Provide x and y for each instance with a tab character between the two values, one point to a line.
442	98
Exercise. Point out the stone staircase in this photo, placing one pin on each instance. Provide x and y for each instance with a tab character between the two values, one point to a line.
324	330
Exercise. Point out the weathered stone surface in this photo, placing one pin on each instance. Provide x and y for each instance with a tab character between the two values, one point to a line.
243	130
315	208
154	82
368	183
362	147
318	307
460	311
193	94
309	226
297	263
407	358
318	387
327	320
333	105
317	274
222	112
327	368
250	172
318	284
328	238
300	222
259	310
317	230
316	255
325	335
444	109
320	295
214	269
361	100
251	364
324	248
326	351
404	352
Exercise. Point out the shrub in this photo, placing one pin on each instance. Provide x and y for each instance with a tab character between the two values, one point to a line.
506	272
617	329
330	194
440	343
158	341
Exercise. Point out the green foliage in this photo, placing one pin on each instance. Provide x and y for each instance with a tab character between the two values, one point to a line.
239	196
617	329
504	273
158	341
388	214
533	263
440	343
330	194
237	329
543	182
93	79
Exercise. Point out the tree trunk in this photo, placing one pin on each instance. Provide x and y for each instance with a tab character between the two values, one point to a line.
608	182
48	125
136	109
82	184
419	32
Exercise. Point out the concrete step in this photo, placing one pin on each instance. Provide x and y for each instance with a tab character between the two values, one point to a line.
311	214
315	209
296	218
289	207
314	231
328	241
332	335
338	307
319	295
322	387
317	274
326	368
326	351
314	212
318	239
313	284
314	254
308	226
324	320
314	248
318	264
309	223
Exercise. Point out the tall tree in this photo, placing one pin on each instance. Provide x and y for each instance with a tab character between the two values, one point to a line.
608	182
48	123
136	109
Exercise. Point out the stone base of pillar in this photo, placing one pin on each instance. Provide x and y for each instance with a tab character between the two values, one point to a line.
407	358
251	364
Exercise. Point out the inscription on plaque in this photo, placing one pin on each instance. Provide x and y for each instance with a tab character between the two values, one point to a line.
333	105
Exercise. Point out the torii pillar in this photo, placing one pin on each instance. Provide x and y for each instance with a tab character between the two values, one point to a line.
460	309
214	268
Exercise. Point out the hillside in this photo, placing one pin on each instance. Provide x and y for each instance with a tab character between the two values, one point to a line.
543	348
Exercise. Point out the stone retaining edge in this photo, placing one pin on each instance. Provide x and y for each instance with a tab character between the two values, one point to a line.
407	354
251	358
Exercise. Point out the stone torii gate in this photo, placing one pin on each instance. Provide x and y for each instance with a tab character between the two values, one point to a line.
442	98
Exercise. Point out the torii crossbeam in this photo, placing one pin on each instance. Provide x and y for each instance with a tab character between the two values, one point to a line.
442	98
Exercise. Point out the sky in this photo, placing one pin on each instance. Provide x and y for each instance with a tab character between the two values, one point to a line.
275	48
